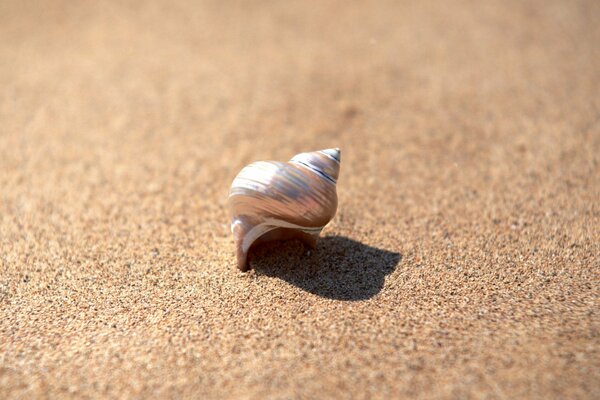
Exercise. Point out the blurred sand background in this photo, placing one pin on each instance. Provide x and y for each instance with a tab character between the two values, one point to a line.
464	258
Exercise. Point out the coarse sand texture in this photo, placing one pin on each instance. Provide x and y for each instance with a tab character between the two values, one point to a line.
464	258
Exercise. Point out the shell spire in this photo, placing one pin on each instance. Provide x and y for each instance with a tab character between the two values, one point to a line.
270	200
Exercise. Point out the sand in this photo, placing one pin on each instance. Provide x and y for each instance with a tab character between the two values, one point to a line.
464	258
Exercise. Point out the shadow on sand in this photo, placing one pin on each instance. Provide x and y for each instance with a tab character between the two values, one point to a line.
339	268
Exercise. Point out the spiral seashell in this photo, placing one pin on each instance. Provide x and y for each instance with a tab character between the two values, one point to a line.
271	200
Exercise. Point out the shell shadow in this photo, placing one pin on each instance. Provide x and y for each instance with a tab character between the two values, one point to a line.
339	268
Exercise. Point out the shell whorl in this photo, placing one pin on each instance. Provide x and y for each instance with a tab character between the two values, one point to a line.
270	200
324	162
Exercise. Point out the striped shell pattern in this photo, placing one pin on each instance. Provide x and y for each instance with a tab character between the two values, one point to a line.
271	200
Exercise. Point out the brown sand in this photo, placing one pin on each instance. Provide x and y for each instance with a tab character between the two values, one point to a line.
464	259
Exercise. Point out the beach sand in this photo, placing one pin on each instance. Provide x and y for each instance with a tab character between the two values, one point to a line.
463	261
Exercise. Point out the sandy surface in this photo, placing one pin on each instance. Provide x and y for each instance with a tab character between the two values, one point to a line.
464	259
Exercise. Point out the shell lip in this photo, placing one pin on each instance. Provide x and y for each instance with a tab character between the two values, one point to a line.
270	224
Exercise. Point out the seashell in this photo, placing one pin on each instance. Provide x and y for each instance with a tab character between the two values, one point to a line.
271	200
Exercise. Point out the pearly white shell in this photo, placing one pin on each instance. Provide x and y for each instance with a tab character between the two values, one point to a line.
270	200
